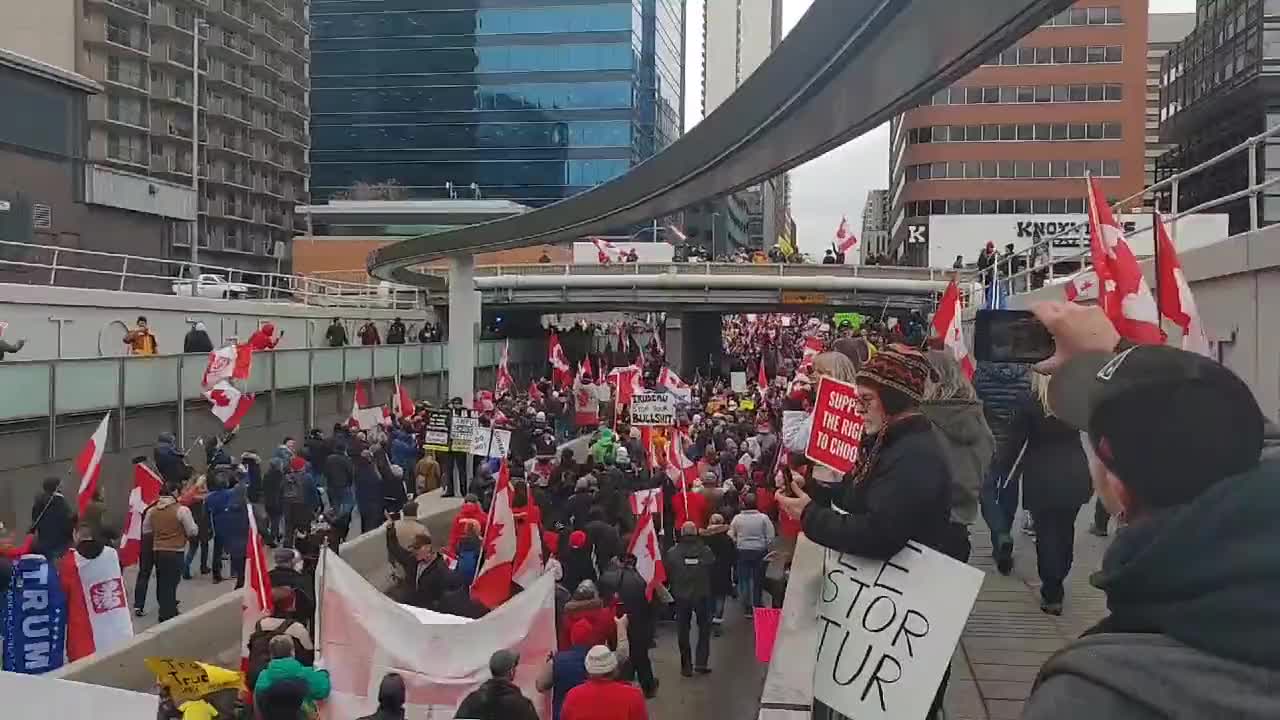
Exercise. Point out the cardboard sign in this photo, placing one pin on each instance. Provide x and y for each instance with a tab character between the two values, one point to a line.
738	382
653	408
435	434
837	426
487	442
888	629
190	680
461	429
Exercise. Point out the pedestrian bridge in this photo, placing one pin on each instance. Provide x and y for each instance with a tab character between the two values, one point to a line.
725	287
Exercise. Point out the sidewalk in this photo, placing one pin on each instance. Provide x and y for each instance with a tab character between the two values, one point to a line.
1007	638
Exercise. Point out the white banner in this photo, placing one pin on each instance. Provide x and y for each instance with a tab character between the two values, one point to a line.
486	442
33	696
738	382
653	408
788	688
362	635
888	629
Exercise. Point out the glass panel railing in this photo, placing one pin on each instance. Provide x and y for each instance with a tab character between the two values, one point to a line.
326	366
384	361
26	390
291	368
359	363
434	360
151	380
193	367
411	358
260	377
82	385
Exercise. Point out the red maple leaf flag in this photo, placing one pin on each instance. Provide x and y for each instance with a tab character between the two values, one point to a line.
403	403
625	382
584	369
492	585
1176	301
762	378
1123	292
844	238
363	415
1082	286
504	382
256	601
671	381
146	490
528	564
89	464
534	393
947	326
812	347
606	252
233	362
229	404
561	372
644	545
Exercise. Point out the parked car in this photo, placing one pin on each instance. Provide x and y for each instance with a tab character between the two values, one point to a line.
209	285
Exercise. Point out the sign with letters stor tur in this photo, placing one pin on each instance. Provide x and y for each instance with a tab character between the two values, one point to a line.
653	408
435	433
837	426
887	630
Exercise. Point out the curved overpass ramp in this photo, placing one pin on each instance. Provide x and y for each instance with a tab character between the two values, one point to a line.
847	67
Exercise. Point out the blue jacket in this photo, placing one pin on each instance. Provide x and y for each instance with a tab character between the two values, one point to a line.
368	485
568	671
1003	389
229	514
403	452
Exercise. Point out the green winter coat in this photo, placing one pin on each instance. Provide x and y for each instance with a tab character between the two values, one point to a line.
286	668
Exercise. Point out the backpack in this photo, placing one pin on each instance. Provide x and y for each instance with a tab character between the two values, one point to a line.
291	490
260	649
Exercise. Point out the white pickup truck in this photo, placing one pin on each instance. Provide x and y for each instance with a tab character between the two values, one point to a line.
208	285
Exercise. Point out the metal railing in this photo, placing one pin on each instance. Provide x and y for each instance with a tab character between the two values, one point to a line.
67	267
1034	267
787	270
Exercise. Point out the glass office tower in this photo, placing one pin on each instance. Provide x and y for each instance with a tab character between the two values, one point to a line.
530	100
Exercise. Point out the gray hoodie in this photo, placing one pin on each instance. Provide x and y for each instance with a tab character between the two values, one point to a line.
969	446
1194	630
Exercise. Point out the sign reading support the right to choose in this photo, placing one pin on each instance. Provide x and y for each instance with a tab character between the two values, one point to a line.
837	426
887	630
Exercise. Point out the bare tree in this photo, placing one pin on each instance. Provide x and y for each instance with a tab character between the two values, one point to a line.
389	189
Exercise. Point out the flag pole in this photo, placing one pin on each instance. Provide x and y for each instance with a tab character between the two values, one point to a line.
1155	262
319	590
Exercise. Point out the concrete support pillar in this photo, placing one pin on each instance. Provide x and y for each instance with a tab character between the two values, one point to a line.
464	318
673	340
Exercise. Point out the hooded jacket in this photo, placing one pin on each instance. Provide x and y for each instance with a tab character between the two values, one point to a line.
1194	630
1002	387
969	446
1054	469
689	565
497	699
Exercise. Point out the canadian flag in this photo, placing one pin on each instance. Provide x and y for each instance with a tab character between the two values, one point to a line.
644	545
98	619
606	252
679	467
534	393
528	562
484	401
946	325
668	379
403	403
256	601
584	369
625	382
844	238
561	373
146	490
812	347
233	362
1123	295
492	585
1082	286
505	382
646	501
1176	301
89	464
762	378
363	416
228	404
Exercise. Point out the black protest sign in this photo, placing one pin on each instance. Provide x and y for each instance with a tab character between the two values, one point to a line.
435	432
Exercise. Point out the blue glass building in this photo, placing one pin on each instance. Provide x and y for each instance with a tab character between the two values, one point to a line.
532	100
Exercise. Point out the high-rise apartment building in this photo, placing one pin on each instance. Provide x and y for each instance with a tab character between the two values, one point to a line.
738	35
1016	137
252	129
874	241
1165	31
528	100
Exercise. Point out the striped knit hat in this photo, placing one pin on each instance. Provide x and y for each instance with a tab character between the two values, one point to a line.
900	367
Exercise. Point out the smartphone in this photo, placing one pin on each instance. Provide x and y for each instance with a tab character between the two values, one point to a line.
1012	336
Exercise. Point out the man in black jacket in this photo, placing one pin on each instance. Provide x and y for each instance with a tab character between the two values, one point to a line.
1004	389
431	579
197	340
689	564
336	335
498	698
632	592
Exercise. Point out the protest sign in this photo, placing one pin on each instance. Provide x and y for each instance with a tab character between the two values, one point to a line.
190	680
28	696
35	618
888	629
837	426
363	635
435	433
653	408
788	687
738	382
462	427
487	442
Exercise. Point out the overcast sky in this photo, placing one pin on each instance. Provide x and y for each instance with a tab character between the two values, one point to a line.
835	184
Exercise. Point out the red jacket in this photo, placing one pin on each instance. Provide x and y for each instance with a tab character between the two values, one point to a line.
604	700
697	505
595	612
262	338
469	511
766	502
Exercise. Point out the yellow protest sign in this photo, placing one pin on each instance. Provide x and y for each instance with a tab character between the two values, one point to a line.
190	680
747	404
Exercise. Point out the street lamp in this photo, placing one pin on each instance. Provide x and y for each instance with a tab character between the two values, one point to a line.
197	26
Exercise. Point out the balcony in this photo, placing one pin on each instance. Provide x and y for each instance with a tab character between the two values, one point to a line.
234	75
269	124
298	48
163	92
242	16
135	82
270	62
101	111
177	131
295	76
222	40
167	18
128	155
225	110
170	165
228	176
265	28
228	143
118	37
274	218
131	9
295	136
276	6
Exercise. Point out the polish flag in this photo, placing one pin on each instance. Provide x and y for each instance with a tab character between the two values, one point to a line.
1123	294
505	382
625	382
844	238
1176	302
256	600
528	562
89	464
946	325
561	373
228	404
644	545
492	585
363	416
98	618
146	490
668	379
812	347
233	362
403	403
1082	286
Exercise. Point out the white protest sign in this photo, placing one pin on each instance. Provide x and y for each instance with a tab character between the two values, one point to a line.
461	430
653	408
738	382
888	629
486	442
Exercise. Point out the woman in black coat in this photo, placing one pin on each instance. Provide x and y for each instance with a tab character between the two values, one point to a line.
1055	483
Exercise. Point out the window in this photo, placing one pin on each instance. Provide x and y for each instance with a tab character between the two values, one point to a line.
1114	53
1078	16
1096	54
1058	169
1022	207
1097	16
1113	92
1111	168
1114	17
991	95
1022	169
1078	93
1093	131
1079	54
1111	131
1042	131
989	207
1044	56
1058	206
1026	56
1040	206
973	133
1026	94
1026	132
990	132
1008	132
1062	55
1060	131
1008	94
1061	94
1094	93
1007	169
1006	207
989	169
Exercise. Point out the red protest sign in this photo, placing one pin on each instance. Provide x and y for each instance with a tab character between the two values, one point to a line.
837	426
